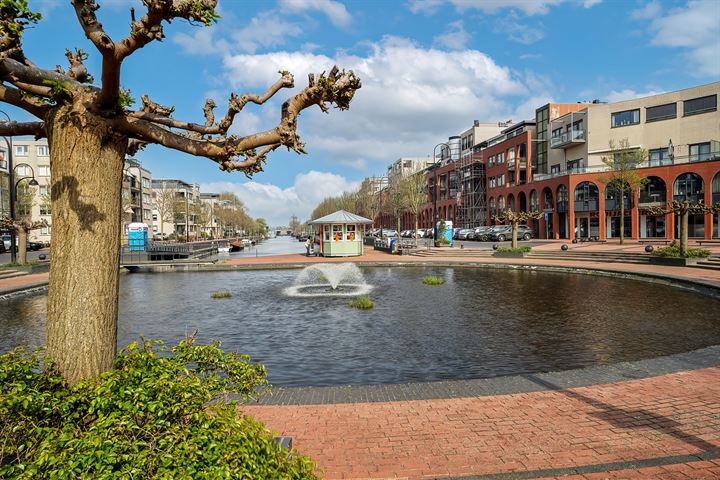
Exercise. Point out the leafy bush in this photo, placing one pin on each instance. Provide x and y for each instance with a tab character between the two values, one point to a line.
161	413
673	251
222	294
431	280
523	249
19	264
442	240
363	303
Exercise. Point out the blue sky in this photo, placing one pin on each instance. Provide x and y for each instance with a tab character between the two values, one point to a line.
429	68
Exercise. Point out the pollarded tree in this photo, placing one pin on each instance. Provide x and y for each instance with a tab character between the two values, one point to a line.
414	192
90	130
683	208
22	221
516	218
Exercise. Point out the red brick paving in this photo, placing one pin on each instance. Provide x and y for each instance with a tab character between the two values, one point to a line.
677	414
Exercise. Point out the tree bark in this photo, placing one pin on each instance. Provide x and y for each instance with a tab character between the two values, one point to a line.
684	233
514	234
21	244
416	230
87	162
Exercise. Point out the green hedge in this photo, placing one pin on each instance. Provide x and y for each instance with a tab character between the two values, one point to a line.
673	251
159	415
524	249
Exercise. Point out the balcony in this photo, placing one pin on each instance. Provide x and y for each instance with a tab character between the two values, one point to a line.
651	199
614	204
568	139
586	206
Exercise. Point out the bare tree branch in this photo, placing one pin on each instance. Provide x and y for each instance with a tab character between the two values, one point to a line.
252	163
14	129
27	103
16	72
237	103
171	122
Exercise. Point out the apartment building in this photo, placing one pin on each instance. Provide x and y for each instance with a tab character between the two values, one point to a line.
208	223
175	208
31	160
136	195
567	177
405	166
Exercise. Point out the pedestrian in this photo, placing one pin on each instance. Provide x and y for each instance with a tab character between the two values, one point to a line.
308	244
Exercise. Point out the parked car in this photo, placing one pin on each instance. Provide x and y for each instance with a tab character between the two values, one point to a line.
429	233
2	247
482	234
463	233
504	232
34	246
386	232
420	233
6	241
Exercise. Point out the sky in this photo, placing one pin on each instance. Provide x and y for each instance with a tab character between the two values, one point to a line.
428	69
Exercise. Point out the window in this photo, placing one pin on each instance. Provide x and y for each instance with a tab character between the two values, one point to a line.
44	171
557	133
661	112
576	166
350	233
511	155
337	231
492	182
45	209
327	231
700	105
21	150
628	117
146	182
700	152
491	161
155	217
45	231
43	190
501	180
42	151
659	156
501	157
23	171
555	169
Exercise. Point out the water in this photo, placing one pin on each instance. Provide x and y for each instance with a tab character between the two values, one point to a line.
329	279
481	323
273	246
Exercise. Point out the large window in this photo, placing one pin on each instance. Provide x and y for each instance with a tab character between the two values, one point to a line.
21	150
576	166
659	156
661	112
44	171
700	152
700	105
350	233
628	117
688	186
42	151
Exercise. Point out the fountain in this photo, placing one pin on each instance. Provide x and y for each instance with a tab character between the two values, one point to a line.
329	279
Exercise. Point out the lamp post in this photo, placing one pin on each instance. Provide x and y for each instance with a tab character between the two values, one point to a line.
435	188
8	142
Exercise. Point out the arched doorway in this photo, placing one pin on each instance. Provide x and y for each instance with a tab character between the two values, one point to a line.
493	212
511	202
548	205
613	206
587	224
562	207
501	205
535	207
522	202
689	187
652	194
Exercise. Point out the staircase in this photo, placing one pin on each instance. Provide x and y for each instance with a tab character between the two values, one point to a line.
10	273
596	257
710	263
451	252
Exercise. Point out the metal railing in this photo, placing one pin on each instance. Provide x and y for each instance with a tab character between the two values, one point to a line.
568	137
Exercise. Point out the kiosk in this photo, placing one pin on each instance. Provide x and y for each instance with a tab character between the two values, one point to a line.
341	234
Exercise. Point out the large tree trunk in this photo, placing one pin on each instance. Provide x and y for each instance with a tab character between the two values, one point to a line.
514	234
416	230
21	244
87	162
683	233
622	217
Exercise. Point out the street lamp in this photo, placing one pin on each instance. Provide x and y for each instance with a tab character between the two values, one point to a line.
435	186
8	142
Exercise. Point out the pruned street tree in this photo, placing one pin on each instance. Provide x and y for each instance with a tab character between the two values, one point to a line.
414	192
516	218
164	202
90	130
683	209
22	221
622	177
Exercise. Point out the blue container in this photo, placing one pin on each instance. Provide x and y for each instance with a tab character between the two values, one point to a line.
137	237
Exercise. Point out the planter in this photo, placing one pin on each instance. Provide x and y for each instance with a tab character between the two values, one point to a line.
673	262
510	254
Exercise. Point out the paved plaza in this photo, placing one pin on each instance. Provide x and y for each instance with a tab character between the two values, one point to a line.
654	419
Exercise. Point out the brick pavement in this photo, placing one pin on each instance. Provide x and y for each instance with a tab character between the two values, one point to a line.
648	421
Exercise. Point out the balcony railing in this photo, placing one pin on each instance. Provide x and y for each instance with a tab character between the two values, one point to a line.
652	198
586	206
568	138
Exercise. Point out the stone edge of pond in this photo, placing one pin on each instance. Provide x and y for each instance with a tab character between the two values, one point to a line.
707	357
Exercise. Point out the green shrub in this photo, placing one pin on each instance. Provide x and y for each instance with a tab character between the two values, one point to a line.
523	249
222	294
363	303
431	280
18	264
160	414
443	240
673	251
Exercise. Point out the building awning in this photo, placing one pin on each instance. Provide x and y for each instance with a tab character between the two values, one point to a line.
341	216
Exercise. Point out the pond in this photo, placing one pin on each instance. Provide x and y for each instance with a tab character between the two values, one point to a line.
480	323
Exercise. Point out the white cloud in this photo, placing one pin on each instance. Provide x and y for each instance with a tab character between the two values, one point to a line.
266	29
399	111
517	31
201	41
456	37
648	11
693	29
277	204
591	3
629	94
528	7
335	11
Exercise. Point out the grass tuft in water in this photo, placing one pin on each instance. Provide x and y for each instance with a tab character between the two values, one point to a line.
431	280
222	294
363	303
